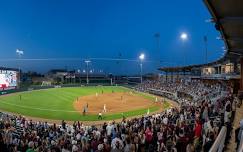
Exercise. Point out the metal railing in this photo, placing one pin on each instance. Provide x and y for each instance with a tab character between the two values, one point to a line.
218	144
240	148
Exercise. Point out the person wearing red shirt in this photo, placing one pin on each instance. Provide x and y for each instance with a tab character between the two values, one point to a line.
198	129
148	137
197	133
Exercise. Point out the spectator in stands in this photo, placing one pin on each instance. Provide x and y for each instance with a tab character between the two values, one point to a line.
238	133
209	142
171	130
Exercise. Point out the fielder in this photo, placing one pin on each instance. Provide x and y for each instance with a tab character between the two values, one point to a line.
104	109
148	111
100	115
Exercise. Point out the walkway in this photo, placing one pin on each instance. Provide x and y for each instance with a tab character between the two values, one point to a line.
238	116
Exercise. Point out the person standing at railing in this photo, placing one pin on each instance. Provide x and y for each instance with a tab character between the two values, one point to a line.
227	118
238	133
233	109
209	142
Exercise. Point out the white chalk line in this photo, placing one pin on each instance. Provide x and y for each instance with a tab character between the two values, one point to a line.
55	110
42	109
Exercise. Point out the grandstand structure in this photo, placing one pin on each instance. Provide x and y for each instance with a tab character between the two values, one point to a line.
227	17
205	95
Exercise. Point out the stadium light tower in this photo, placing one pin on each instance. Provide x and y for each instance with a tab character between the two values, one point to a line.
19	54
141	57
184	37
87	70
157	38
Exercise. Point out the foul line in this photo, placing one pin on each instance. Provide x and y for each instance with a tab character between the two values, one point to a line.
43	109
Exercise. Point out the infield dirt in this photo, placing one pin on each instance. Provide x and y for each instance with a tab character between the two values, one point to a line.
114	102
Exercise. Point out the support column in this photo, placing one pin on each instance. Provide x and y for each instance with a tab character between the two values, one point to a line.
235	67
241	74
240	91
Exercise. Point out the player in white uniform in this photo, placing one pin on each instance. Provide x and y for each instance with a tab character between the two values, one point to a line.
104	109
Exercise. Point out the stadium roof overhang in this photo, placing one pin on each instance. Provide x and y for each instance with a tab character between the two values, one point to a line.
228	18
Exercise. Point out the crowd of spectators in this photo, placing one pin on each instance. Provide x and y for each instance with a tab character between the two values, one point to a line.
195	88
192	127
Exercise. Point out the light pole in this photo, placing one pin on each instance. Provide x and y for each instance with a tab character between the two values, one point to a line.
141	57
79	75
184	38
19	53
87	70
157	38
206	48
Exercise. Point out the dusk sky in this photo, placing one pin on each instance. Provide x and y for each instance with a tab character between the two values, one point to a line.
104	29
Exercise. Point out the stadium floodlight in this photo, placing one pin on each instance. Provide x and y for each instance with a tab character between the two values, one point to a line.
87	70
183	36
19	53
141	57
79	71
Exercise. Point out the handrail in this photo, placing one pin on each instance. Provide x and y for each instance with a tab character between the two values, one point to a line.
240	148
218	144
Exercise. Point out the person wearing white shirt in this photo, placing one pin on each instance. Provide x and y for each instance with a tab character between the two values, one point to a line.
109	129
165	120
117	143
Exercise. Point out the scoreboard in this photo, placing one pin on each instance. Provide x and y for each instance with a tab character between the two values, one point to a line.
8	79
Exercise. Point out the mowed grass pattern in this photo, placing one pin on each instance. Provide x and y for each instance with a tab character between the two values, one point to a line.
57	103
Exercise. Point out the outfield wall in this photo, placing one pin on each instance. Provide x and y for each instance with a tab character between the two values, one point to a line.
38	87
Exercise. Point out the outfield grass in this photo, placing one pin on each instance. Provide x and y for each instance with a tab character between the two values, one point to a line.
57	103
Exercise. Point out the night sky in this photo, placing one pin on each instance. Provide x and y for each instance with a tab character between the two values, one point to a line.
105	29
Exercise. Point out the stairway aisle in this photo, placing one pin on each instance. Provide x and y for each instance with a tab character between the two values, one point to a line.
231	147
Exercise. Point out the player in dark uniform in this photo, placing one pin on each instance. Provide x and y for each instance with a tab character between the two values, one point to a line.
100	116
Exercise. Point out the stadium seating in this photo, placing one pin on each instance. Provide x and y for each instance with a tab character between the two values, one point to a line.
203	111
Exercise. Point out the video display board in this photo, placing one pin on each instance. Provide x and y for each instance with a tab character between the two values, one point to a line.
8	79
